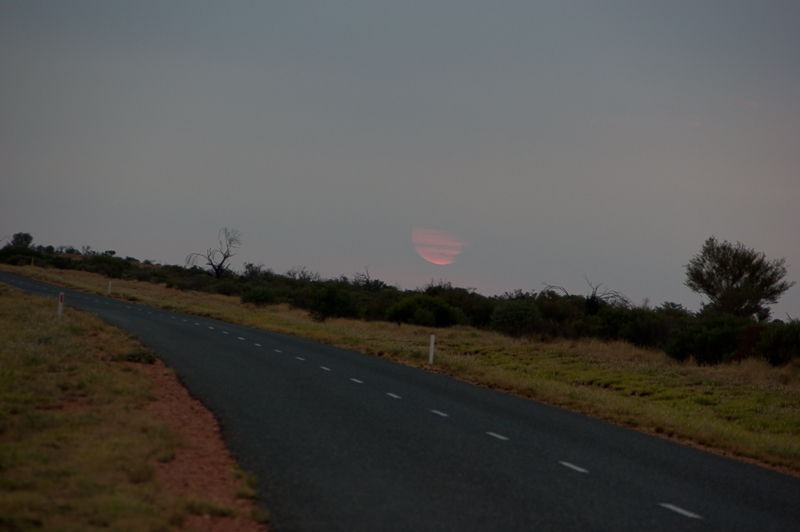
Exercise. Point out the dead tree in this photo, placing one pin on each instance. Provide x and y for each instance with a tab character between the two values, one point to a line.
217	259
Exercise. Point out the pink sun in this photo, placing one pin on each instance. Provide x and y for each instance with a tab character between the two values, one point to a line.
438	247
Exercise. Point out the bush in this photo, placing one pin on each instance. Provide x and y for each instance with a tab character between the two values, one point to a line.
374	305
331	302
260	296
646	328
226	287
425	310
517	317
779	343
711	341
105	265
19	255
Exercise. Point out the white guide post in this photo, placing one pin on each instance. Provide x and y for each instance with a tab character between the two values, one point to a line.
430	351
60	304
109	288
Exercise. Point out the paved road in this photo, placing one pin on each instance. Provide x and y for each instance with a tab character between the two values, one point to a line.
344	441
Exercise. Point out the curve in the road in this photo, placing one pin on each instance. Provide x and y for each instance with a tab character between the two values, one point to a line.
344	441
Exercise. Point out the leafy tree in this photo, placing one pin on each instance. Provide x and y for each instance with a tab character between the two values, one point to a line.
22	239
737	280
217	259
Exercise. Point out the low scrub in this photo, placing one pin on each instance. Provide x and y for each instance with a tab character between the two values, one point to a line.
425	310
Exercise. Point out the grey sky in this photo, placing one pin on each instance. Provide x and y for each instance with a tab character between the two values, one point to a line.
562	140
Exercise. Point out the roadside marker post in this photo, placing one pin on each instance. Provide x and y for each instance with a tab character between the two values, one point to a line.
60	304
430	351
109	289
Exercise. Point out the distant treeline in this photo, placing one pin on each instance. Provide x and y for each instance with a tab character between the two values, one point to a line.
709	337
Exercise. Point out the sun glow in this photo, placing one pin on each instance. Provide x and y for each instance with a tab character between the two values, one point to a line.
438	247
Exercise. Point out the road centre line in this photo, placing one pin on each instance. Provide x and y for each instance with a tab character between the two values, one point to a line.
439	413
678	510
574	467
498	436
393	395
257	345
277	350
225	332
240	338
357	381
300	358
326	369
212	328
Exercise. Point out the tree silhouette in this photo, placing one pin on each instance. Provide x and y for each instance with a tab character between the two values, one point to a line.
737	280
217	259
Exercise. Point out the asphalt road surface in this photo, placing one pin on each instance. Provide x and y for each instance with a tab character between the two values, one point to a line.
344	441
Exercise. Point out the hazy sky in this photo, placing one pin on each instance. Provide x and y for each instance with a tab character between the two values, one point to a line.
559	140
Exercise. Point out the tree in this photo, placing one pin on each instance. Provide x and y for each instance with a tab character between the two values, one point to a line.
22	239
737	280
217	259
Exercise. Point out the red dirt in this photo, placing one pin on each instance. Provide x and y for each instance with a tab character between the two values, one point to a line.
203	467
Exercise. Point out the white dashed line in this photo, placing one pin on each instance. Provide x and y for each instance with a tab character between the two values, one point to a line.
326	369
184	320
574	467
439	413
357	381
498	436
277	350
300	358
257	345
212	328
677	510
393	395
240	338
196	323
224	332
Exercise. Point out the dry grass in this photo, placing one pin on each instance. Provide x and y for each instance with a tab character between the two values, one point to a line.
76	443
747	409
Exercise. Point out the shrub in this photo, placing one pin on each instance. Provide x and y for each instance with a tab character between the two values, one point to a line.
711	341
331	302
646	328
517	317
421	307
779	343
19	255
260	296
375	304
107	265
226	287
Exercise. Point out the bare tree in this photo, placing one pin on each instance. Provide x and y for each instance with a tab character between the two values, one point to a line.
597	298
217	259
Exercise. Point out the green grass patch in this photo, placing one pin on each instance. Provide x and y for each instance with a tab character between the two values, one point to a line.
76	444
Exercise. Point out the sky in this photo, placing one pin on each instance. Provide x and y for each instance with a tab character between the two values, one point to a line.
553	143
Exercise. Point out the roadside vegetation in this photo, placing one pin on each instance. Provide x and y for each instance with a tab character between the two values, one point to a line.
727	376
77	445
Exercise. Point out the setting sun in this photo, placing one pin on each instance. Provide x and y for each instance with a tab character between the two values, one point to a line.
438	247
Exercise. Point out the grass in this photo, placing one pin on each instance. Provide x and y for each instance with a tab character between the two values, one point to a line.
747	409
77	445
